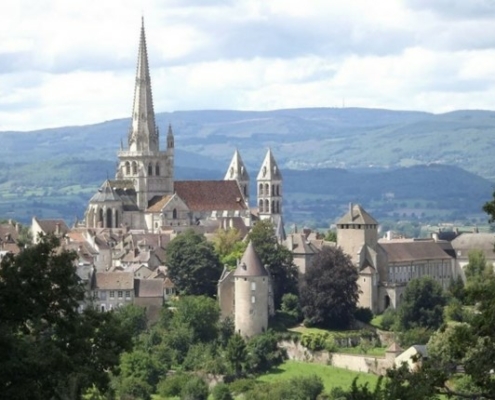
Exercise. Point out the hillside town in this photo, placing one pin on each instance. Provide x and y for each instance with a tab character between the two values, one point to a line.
123	247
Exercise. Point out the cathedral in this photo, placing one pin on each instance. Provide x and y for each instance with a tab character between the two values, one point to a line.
144	194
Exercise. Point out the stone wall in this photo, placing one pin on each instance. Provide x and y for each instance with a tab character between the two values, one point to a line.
354	362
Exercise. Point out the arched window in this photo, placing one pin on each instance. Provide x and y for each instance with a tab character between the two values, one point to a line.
273	207
278	207
267	206
267	189
100	218
127	168
174	213
116	219
260	206
108	219
134	168
157	169
273	190
150	170
278	190
245	190
260	190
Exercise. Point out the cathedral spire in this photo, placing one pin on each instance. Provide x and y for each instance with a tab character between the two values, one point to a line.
143	135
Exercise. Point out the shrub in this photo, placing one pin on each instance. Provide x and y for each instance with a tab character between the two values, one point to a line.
195	389
363	314
388	319
314	341
414	336
242	386
171	386
305	387
221	392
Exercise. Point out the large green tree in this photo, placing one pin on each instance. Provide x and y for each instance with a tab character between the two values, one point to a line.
48	349
277	258
422	305
193	264
329	291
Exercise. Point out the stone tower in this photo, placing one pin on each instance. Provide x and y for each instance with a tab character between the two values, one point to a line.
251	288
237	171
269	184
150	169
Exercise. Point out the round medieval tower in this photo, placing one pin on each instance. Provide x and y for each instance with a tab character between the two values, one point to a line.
251	287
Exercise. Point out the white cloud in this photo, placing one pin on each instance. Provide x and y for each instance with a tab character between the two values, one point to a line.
72	62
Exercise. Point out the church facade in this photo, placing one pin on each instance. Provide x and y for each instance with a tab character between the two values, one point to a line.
145	195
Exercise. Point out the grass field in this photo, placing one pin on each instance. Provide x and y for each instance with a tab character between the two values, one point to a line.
331	376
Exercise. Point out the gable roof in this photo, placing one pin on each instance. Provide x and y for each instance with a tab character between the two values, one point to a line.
357	215
250	264
462	244
414	250
158	202
114	281
148	287
50	225
269	169
210	195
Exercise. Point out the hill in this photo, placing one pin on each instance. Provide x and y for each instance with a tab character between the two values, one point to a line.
303	138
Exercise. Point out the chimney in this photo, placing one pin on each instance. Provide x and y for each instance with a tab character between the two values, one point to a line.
57	229
18	227
231	223
434	236
350	211
11	222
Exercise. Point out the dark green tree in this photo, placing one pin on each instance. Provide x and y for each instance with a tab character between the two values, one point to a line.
236	354
132	318
277	258
194	389
329	290
193	264
48	349
422	305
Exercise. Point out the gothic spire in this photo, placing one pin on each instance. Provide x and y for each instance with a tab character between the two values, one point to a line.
269	169
143	135
237	170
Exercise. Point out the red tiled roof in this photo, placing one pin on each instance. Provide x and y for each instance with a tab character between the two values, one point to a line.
210	195
156	203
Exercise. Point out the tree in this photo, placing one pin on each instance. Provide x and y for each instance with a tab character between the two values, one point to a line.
132	318
329	289
236	354
263	352
193	265
221	392
277	258
229	246
445	347
47	348
422	305
195	389
200	314
477	268
331	236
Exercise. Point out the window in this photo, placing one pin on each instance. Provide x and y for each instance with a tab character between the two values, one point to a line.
253	299
120	294
112	294
127	294
95	294
157	169
253	286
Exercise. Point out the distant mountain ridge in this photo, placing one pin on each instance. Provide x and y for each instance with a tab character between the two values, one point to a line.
301	138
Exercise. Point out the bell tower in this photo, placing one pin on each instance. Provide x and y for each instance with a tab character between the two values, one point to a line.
142	162
269	185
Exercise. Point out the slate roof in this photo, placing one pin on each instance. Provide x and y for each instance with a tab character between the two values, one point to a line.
250	264
148	287
357	216
114	281
105	194
394	348
211	195
414	250
465	242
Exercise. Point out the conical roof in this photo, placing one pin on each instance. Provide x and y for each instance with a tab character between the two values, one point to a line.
250	264
143	135
237	169
269	169
105	193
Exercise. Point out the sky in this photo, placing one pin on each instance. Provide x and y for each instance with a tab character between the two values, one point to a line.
73	62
